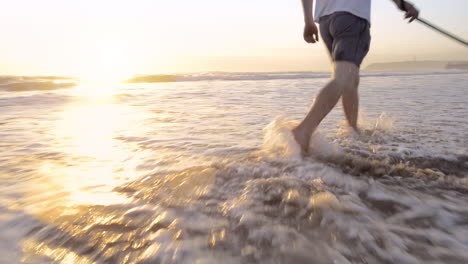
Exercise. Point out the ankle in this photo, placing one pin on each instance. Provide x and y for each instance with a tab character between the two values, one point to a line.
356	129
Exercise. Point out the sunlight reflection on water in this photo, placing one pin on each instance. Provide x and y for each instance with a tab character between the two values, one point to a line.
85	132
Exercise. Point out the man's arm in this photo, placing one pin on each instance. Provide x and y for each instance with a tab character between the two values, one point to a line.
310	29
411	12
307	6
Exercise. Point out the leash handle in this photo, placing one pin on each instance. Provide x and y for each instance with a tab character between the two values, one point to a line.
403	6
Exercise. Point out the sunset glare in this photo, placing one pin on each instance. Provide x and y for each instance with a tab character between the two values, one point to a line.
109	40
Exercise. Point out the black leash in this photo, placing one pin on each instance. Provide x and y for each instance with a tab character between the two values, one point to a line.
425	22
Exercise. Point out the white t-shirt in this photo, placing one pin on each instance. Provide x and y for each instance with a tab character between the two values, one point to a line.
360	8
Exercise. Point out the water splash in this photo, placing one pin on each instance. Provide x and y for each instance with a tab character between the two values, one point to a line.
278	140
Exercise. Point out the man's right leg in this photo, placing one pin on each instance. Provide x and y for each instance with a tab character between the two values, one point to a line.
344	78
350	100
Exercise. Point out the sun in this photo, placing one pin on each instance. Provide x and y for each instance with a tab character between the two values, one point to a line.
105	65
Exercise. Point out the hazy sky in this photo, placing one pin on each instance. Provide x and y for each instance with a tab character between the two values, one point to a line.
116	37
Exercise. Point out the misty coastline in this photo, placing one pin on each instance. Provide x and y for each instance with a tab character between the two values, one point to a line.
418	66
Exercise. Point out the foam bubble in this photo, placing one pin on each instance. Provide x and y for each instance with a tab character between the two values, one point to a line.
323	200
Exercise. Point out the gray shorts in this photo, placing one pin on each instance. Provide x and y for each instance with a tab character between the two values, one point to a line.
346	36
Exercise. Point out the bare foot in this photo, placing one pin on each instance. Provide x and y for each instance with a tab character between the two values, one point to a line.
356	130
302	139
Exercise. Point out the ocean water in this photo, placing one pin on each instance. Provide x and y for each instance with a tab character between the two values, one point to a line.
203	168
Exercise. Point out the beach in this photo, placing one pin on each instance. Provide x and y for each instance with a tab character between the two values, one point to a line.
202	168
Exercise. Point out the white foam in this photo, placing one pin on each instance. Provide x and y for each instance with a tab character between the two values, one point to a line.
320	146
279	142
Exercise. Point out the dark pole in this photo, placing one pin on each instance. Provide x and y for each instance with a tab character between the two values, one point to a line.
448	34
436	28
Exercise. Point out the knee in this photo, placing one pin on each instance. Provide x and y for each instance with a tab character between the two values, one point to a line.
337	87
357	79
346	76
346	81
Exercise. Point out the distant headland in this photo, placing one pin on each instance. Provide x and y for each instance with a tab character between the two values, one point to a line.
418	66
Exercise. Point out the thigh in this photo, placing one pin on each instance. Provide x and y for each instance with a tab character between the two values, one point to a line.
351	38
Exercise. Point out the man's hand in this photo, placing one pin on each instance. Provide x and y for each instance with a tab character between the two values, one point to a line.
311	33
411	12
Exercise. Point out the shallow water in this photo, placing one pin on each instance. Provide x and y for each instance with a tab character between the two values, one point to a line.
204	170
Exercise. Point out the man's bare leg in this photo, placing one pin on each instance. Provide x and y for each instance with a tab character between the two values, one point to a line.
350	100
344	77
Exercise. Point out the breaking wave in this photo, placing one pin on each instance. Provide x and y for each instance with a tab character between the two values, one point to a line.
249	76
38	83
35	83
